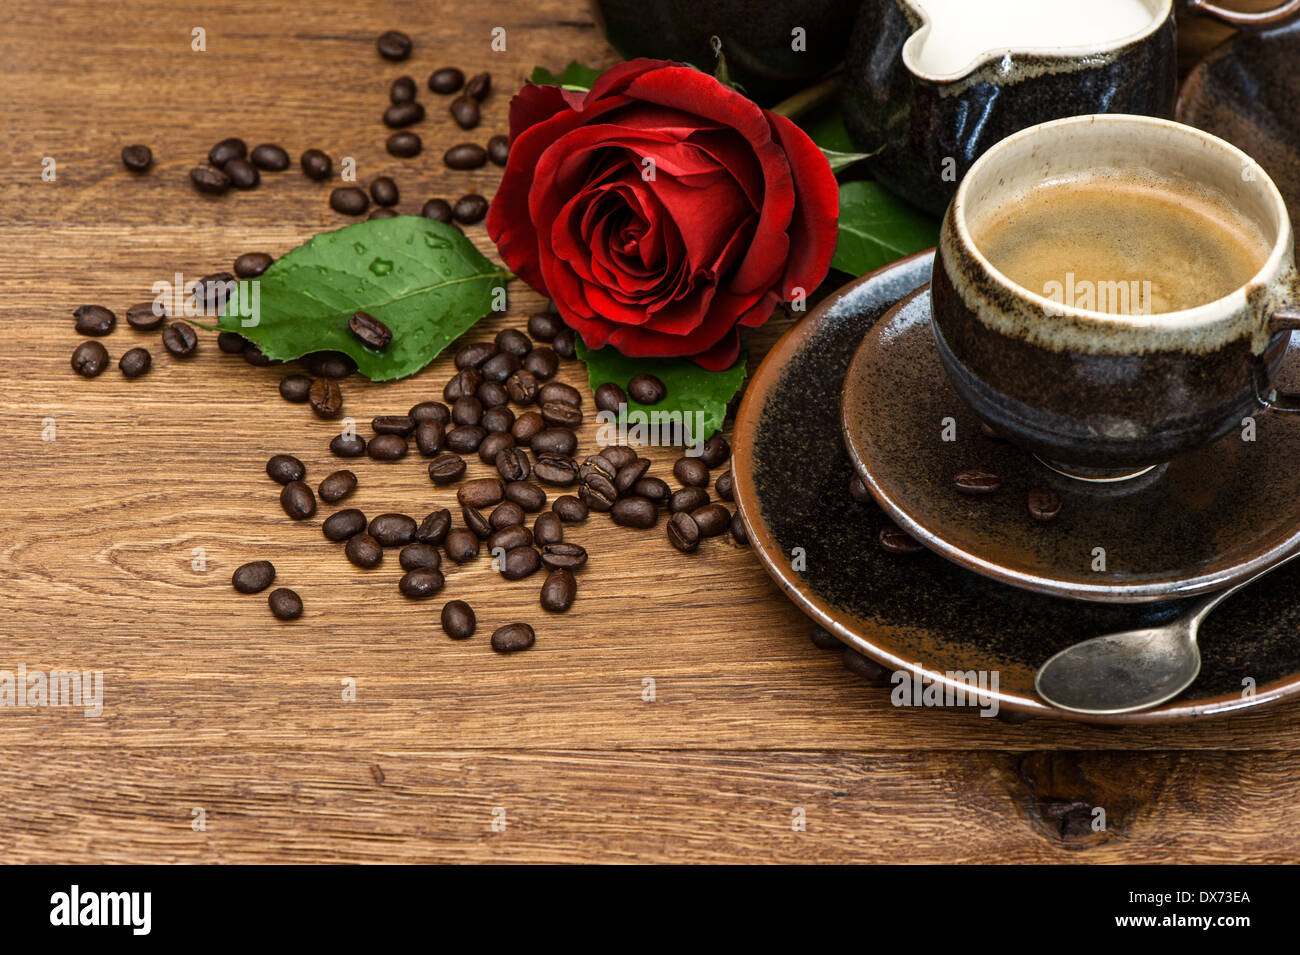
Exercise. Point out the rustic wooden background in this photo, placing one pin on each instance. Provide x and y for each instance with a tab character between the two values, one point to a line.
212	705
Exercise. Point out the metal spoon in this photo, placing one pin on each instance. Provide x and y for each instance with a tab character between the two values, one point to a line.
1134	669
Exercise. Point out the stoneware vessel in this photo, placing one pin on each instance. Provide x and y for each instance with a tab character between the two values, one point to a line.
925	91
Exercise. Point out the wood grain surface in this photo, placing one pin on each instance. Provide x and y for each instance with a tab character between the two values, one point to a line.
225	736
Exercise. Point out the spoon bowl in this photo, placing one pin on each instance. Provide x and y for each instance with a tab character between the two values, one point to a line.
1122	672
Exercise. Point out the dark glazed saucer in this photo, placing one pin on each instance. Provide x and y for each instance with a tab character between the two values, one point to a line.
791	478
1205	520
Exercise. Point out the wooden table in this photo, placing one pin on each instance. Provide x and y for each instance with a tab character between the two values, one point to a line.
677	713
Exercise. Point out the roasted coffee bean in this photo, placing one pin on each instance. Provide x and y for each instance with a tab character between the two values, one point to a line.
428	438
688	499
513	637
506	514
508	538
458	620
609	397
252	264
520	562
619	456
446	80
565	343
976	482
647	390
560	414
542	362
394	45
180	340
629	475
475	522
494	444
499	418
570	509
522	388
715	451
530	424
393	530
498	149
634	512
713	519
481	492
421	583
857	489
474	354
253	355
466	409
209	179
464	382
403	145
597	466
285	604
511	462
402	90
514	341
298	500
479	85
446	468
326	398
387	447
270	157
349	444
465	156
469	208
370	331
557	469
316	164
137	157
393	424
430	411
563	554
146	316
499	367
242	174
434	528
738	532
652	488
461	545
543	326
382	214
283	468
559	590
548	528
334	364
384	191
253	577
559	391
723	486
465	439
683	532
1044	503
94	320
528	495
231	343
349	200
364	551
226	150
336	486
598	494
825	640
401	115
465	112
554	441
691	472
438	210
135	362
894	540
343	524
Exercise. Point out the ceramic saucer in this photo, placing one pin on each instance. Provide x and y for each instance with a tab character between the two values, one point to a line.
1199	523
819	544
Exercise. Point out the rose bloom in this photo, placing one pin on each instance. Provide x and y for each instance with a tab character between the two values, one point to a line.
662	211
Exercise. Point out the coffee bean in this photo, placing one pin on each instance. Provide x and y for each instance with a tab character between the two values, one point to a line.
364	551
461	545
475	522
522	388
465	439
629	475
894	540
513	341
343	524
316	164
498	149
560	414
475	354
434	528
283	468
635	512
402	90
691	472
446	468
242	174
499	418
430	411
326	398
137	157
393	45
337	486
563	554
738	532
559	391
384	191
683	532
393	424
715	451
387	447
332	364
146	316
559	590
370	331
500	367
469	208
543	326
135	362
653	488
401	115
647	390
419	555
253	577
511	462
976	482
382	213
231	343
506	514
446	80
479	86
508	538
530	424
209	179
437	209
542	362
712	519
609	397
513	637
554	441
619	456
94	320
348	445
465	156
403	145
570	509
597	466
520	562
548	528
598	493
557	469
465	112
428	438
688	499
253	355
1044	503
724	486
421	583
531	497
285	604
392	530
481	492
349	200
180	340
226	150
458	620
252	264
464	382
298	500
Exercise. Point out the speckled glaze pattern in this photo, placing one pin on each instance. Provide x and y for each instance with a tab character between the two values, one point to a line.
930	133
791	479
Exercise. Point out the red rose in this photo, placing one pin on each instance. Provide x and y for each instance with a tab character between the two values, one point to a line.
662	211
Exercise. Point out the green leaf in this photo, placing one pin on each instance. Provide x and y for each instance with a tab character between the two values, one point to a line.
421	278
700	396
876	228
825	127
839	160
575	76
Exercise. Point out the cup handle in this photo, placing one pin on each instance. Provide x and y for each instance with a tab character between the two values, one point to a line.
1283	320
1242	19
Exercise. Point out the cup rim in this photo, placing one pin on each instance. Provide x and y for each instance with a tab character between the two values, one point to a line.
1189	318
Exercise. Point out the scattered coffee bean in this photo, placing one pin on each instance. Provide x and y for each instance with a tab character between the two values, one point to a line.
724	486
253	355
349	201
393	45
564	343
559	414
253	577
520	562
479	86
446	468
630	474
597	466
858	489
635	512
470	208
514	341
419	556
402	90
715	451
94	320
370	331
231	343
712	519
461	545
563	554
465	112
976	482
619	456
349	444
559	391
316	165
464	382
570	509
466	409
331	364
557	469
465	439
531	497
598	493
343	524
647	390
542	362
481	492
135	362
609	397
430	411
298	500
446	80
384	191
498	418
511	462
403	145
513	637
226	150
382	213
527	426
209	179
458	620
137	157
825	640
554	441
543	326
428	438
683	532
508	538
145	316
691	472
738	532
559	590
434	528
242	174
474	355
387	447
465	156
653	488
401	115
283	468
392	424
337	486
393	530
180	340
548	528
252	264
498	149
285	604
522	388
326	398
421	583
364	551
506	514
1044	503
437	209
896	541
688	499
475	522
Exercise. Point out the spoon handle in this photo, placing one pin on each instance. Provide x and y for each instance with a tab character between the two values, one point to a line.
1201	609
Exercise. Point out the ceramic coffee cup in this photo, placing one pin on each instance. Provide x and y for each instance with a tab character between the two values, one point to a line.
1095	394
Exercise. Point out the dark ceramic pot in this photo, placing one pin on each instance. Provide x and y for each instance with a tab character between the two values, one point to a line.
1104	395
757	37
930	121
